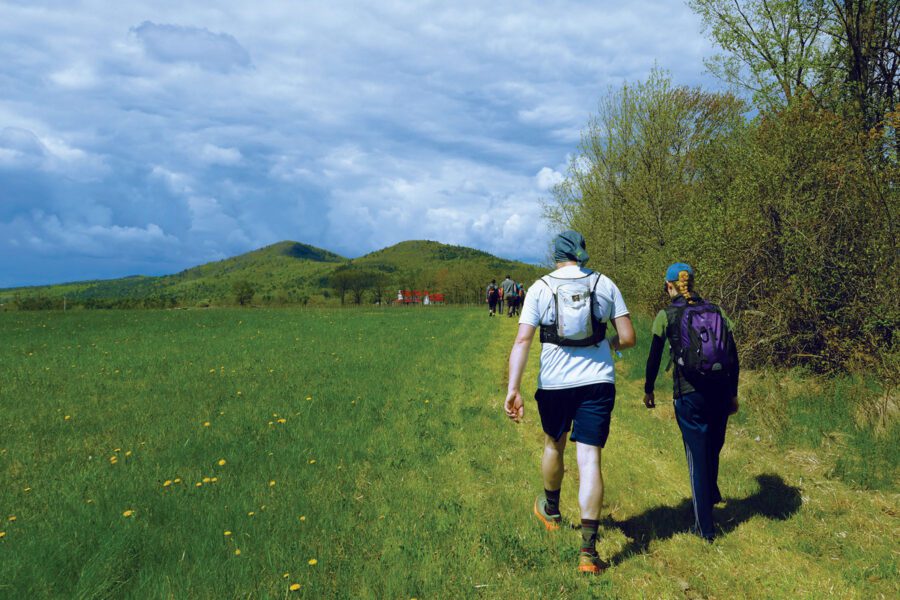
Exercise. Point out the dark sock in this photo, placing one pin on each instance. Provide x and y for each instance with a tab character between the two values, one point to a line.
589	535
552	501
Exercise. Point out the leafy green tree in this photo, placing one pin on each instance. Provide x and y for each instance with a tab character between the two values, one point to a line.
774	48
243	291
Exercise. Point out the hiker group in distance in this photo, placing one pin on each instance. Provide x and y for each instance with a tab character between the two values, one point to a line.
572	307
509	291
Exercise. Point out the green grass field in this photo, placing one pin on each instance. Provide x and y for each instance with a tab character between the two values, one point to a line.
365	454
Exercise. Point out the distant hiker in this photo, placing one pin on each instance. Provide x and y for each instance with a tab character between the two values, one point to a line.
520	297
492	297
509	294
576	382
705	384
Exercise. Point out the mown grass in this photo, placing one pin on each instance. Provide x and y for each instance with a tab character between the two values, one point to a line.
372	442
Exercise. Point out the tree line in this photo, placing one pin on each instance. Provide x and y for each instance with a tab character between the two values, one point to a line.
783	198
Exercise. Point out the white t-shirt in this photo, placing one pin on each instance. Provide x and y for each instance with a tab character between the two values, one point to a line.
572	366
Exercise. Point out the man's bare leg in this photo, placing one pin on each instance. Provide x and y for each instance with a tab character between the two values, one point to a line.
590	489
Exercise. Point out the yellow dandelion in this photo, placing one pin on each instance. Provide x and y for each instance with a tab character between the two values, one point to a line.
206	480
113	460
128	453
309	397
313	561
167	483
26	490
198	484
286	575
237	551
294	586
227	533
312	461
282	420
2	534
272	483
117	450
206	423
67	417
239	392
177	480
128	513
212	370
213	479
221	462
303	517
251	513
271	423
12	518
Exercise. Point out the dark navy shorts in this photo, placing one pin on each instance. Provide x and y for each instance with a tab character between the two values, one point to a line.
586	410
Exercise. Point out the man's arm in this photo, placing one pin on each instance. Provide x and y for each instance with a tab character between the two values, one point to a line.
518	358
625	337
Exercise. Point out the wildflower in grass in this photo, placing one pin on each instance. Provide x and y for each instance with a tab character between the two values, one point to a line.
313	562
177	480
117	450
26	490
206	423
167	483
12	518
67	417
128	453
212	370
113	460
294	587
198	484
2	534
239	392
221	462
237	551
213	479
227	533
282	420
286	575
309	397
302	517
206	480
272	483
312	461
128	513
251	513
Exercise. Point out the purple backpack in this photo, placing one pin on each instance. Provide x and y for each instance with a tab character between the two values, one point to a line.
702	345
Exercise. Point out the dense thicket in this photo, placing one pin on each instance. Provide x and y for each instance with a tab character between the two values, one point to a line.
787	211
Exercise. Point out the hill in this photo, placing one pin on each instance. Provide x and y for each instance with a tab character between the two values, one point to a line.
288	273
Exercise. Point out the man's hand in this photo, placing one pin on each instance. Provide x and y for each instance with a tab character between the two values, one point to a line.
649	400
514	407
733	406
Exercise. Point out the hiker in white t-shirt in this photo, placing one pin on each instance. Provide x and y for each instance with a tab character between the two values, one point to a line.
576	382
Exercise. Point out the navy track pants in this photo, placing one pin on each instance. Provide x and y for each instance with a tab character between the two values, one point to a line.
702	419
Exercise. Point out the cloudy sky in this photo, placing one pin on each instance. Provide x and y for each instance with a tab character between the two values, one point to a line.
147	137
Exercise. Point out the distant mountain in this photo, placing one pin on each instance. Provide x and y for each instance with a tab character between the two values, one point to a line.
290	273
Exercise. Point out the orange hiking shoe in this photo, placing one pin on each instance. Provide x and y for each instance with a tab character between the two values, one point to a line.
551	522
591	564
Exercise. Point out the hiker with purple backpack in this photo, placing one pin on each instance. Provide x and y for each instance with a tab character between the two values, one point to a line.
705	382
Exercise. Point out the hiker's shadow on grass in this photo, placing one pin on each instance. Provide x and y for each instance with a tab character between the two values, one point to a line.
774	500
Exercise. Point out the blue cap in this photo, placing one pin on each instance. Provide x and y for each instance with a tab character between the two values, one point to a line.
673	271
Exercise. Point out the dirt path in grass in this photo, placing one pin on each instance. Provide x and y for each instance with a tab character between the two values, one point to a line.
787	530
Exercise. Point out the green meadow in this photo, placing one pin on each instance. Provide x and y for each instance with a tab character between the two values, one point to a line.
364	454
